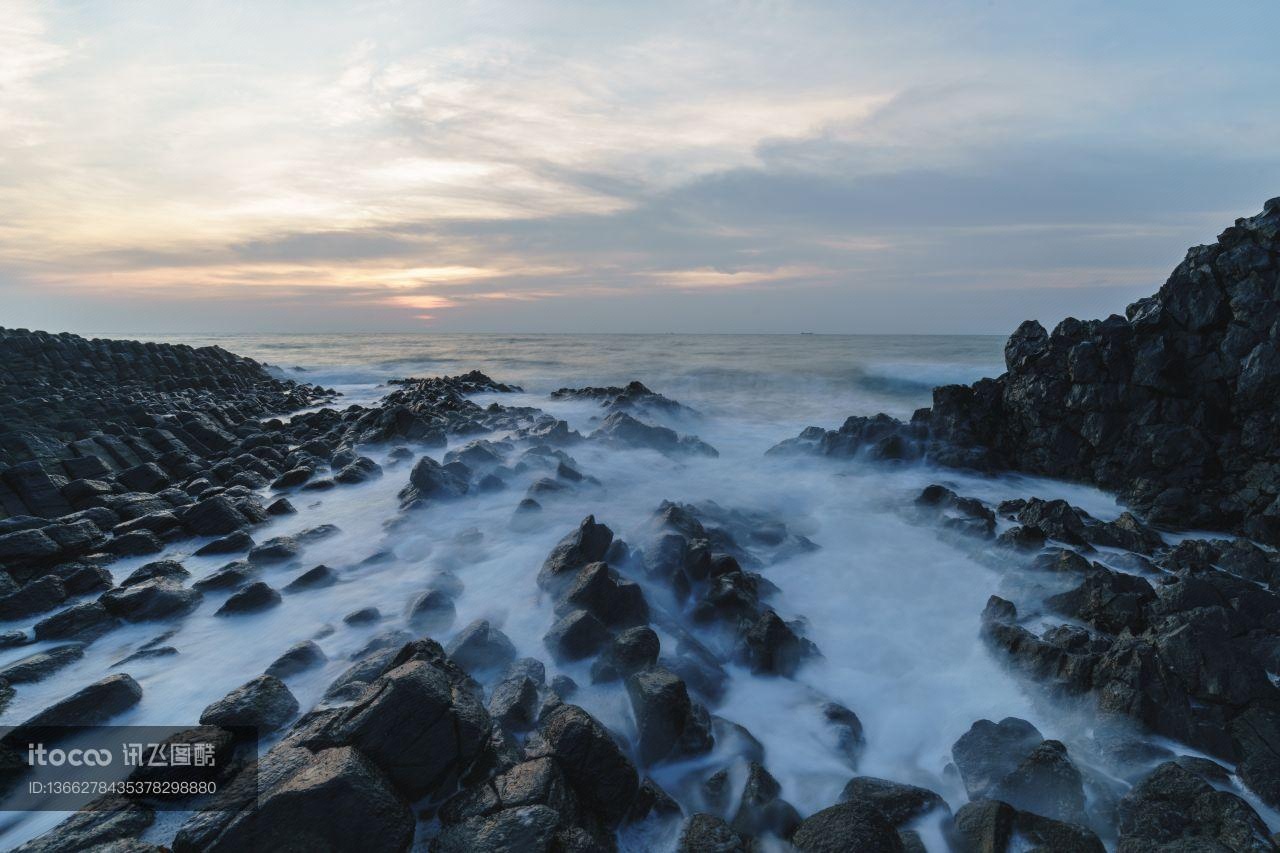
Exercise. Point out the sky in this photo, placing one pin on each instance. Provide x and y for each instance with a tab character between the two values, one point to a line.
843	167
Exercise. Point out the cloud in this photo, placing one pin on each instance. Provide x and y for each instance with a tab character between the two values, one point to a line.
488	167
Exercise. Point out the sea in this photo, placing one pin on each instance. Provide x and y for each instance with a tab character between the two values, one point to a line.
893	607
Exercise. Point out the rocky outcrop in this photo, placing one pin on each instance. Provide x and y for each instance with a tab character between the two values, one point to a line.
1172	405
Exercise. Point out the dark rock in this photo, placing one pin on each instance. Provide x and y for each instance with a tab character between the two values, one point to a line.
601	775
157	569
432	612
530	828
665	716
84	622
253	598
363	616
897	803
429	480
337	799
844	827
41	665
989	752
622	430
264	703
418	722
297	658
159	598
576	635
705	833
1256	734
229	576
762	811
630	651
599	590
95	704
229	544
135	543
40	595
279	549
850	740
480	646
588	544
280	506
313	578
1044	783
1173	809
769	645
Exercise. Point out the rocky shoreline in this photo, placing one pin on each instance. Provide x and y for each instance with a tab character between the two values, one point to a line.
116	450
1173	405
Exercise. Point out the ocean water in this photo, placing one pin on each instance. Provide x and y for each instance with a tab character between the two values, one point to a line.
893	608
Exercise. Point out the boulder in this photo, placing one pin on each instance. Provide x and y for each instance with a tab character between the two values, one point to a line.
264	703
159	598
253	598
336	800
297	658
480	646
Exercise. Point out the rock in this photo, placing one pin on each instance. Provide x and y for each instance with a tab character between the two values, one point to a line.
600	773
264	703
597	589
666	718
24	547
229	576
157	569
429	480
576	635
844	827
279	549
418	722
313	578
432	612
513	703
253	598
293	477
84	622
524	828
81	578
850	741
363	616
135	543
705	833
1256	734
41	665
1172	809
761	810
92	705
359	471
480	646
280	506
215	516
770	646
337	800
1045	783
622	430
41	595
108	828
588	544
159	598
989	752
297	658
229	544
897	803
990	826
1109	601
630	651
